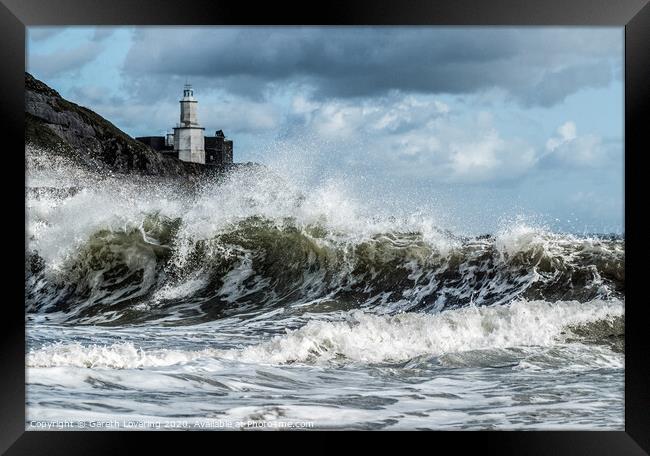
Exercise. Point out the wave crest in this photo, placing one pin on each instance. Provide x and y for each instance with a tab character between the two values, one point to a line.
259	263
369	338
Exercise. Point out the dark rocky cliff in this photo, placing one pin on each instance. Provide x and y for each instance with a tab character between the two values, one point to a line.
55	125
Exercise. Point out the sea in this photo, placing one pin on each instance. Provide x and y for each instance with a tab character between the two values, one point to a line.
246	301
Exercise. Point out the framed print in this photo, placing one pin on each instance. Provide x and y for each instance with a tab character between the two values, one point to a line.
415	217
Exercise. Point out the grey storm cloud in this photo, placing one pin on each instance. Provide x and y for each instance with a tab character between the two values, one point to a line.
52	65
43	33
102	33
538	66
557	85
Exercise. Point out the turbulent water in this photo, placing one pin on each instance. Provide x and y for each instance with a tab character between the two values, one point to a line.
251	301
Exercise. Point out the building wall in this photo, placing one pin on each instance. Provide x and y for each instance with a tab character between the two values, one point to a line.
188	113
227	151
218	150
189	144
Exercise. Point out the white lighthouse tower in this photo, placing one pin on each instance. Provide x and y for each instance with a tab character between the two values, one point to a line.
188	134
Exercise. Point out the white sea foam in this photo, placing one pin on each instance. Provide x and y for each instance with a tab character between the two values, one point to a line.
376	338
124	355
364	337
324	370
59	225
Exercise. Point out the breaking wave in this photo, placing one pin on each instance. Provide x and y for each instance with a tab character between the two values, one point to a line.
369	338
250	242
302	300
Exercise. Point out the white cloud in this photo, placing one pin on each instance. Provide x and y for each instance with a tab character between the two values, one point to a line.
490	157
568	147
566	133
417	137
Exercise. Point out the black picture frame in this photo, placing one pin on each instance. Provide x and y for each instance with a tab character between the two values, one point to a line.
634	15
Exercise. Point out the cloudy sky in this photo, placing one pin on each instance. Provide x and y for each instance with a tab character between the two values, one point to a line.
479	124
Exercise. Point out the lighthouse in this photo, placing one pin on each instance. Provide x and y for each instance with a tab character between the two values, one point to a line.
189	140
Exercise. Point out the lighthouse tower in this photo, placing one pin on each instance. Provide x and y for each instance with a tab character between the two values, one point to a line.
188	134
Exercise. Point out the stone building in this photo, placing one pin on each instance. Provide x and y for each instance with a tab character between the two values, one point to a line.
188	141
